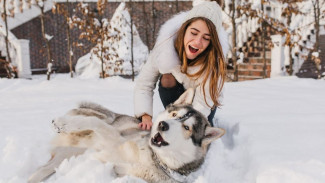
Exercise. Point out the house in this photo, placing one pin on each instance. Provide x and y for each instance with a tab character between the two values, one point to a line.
281	57
148	16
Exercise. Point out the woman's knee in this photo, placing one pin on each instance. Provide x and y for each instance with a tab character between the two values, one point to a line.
168	81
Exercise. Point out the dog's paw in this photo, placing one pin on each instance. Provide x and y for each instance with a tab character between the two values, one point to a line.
68	124
64	125
58	125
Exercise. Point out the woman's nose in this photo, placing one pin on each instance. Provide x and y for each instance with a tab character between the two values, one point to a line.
198	42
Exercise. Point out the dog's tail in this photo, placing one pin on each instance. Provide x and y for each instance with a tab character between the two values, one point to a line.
58	155
96	107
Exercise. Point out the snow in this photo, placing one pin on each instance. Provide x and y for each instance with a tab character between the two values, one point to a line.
315	54
322	30
120	45
27	14
48	37
85	68
275	129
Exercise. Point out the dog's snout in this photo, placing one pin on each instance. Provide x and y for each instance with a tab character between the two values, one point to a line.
163	126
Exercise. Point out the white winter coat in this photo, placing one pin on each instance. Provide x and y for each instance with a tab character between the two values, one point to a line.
164	59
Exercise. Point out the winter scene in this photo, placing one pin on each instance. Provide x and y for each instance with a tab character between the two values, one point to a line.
201	91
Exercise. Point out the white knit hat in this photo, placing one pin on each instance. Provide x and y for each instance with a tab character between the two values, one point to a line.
208	9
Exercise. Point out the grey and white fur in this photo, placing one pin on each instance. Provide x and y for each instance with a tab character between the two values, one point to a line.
176	146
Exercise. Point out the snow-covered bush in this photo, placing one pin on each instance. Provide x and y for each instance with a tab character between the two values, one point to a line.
116	59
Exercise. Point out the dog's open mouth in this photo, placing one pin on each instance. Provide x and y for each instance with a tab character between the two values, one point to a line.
158	141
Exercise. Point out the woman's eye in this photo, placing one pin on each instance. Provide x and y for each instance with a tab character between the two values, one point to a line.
186	127
207	39
194	33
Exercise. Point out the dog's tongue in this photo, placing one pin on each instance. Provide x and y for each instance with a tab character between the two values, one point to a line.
159	141
159	138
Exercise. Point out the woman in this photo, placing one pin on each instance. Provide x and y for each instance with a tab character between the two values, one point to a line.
187	56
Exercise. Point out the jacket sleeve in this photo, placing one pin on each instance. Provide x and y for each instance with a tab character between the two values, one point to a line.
145	84
183	78
199	102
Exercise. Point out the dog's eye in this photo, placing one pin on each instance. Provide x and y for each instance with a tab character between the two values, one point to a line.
185	116
186	127
174	114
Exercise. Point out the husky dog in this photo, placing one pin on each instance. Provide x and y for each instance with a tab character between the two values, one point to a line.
176	147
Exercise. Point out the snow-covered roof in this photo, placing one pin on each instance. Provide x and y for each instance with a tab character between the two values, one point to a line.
27	15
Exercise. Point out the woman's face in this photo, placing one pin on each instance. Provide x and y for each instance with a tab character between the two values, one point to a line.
196	39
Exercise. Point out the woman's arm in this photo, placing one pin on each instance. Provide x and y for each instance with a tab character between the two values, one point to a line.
145	84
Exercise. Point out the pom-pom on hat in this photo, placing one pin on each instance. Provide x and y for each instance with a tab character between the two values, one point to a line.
208	9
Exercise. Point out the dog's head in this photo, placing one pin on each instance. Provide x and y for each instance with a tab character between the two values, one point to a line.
181	135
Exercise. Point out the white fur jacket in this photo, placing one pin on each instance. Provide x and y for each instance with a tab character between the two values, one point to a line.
164	59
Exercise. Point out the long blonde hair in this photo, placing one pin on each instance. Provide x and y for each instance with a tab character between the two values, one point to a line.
211	61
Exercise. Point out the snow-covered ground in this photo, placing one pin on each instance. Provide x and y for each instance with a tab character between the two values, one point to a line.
275	129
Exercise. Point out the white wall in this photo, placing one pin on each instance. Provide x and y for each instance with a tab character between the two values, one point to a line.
277	56
23	58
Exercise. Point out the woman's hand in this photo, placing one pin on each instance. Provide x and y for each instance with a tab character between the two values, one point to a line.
146	122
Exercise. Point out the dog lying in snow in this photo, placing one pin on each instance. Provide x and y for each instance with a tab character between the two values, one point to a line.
176	146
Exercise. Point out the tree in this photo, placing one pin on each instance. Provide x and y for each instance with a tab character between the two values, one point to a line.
154	18
127	43
7	64
64	9
46	38
131	22
124	50
293	32
318	14
236	11
8	10
96	29
283	26
147	23
233	38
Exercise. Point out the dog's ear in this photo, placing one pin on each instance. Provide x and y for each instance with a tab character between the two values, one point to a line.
211	134
186	97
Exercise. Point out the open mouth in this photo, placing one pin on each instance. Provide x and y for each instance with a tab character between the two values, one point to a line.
158	141
192	49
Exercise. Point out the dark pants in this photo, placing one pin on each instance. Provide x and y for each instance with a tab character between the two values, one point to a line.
170	95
